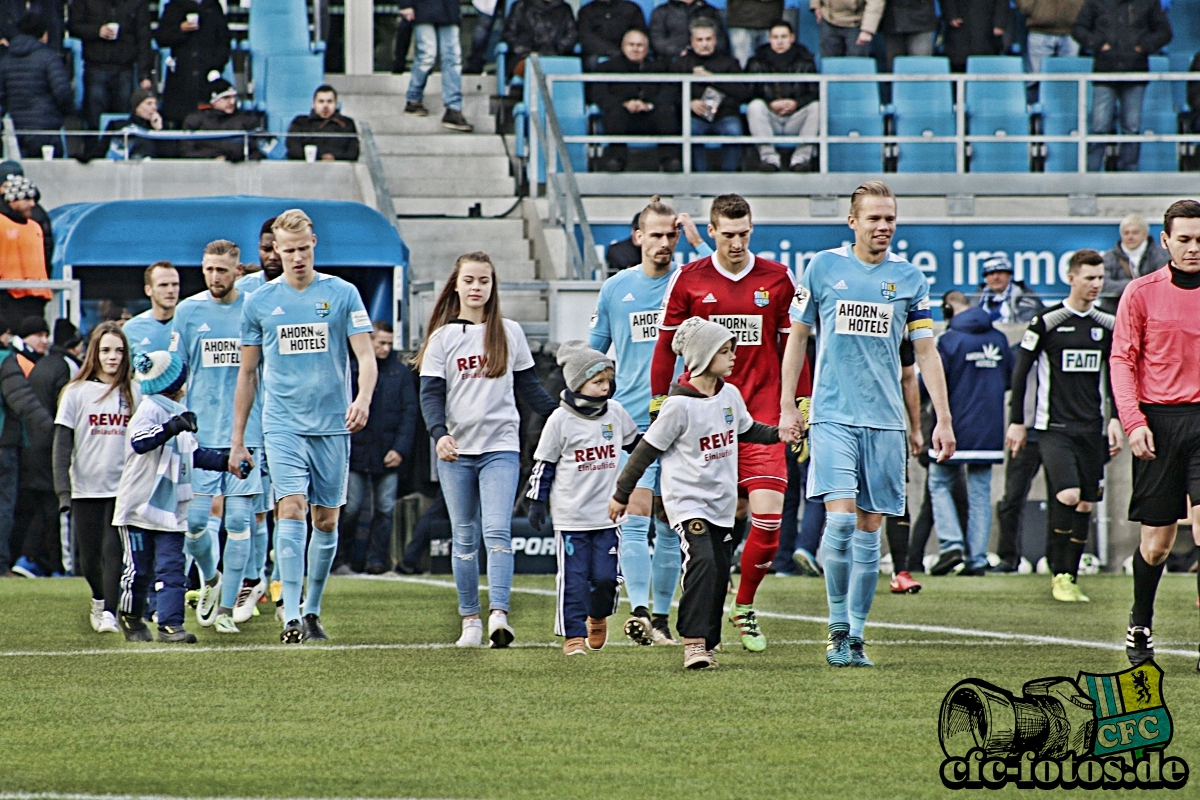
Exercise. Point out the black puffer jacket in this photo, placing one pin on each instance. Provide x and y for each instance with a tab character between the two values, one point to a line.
392	424
717	63
49	11
538	26
139	146
23	406
1123	24
603	23
342	149
35	88
796	59
132	45
195	54
669	35
234	148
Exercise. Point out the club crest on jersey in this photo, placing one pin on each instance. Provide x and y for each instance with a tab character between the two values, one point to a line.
728	415
762	298
1097	334
322	308
606	430
888	290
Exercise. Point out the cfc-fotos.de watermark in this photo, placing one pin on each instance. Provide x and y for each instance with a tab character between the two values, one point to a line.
1093	732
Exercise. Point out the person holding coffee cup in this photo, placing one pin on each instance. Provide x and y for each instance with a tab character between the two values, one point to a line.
117	57
198	35
323	119
222	114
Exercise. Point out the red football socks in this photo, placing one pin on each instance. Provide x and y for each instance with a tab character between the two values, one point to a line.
758	554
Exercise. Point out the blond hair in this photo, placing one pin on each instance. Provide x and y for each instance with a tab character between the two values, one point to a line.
656	206
292	221
870	189
223	247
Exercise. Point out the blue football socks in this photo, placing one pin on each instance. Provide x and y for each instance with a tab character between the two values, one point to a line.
665	564
635	560
864	575
289	557
200	542
321	550
238	518
839	531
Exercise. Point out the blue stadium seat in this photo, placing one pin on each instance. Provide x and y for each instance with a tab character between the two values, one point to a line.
1185	26
76	48
1158	116
569	106
1180	62
997	108
290	84
1059	110
924	109
854	110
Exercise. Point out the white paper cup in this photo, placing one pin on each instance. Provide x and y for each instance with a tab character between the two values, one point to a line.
116	28
193	18
47	152
310	153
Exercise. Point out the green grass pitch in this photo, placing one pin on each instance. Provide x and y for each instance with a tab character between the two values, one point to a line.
381	713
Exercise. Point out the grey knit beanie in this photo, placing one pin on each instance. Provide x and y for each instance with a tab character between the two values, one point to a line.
580	363
698	340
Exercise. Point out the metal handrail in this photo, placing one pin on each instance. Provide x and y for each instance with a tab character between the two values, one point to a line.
72	288
128	132
567	200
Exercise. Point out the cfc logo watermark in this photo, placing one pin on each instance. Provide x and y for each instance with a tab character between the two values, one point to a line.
1094	732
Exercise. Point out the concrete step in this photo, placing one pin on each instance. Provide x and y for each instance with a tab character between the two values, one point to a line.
509	269
450	205
391	120
444	144
468	169
389	84
442	230
446	185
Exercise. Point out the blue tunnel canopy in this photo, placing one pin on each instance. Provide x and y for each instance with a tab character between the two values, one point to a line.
136	233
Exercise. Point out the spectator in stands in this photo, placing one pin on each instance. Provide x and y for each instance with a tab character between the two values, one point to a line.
1004	299
670	27
116	43
22	250
35	88
636	108
1193	101
847	28
221	115
377	453
715	106
198	36
546	27
324	118
10	460
143	119
750	23
624	253
1049	24
602	28
435	26
784	109
909	28
38	215
1121	35
974	28
485	20
1135	254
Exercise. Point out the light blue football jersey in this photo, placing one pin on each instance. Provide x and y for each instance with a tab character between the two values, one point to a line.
306	352
626	317
210	342
861	313
252	282
146	334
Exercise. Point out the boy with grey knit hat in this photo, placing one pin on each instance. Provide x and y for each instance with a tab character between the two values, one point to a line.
575	470
696	438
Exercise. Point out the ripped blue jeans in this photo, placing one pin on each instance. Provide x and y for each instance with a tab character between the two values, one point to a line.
480	491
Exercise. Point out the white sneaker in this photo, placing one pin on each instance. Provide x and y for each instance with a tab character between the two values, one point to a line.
97	614
206	606
472	634
224	624
247	599
108	623
499	632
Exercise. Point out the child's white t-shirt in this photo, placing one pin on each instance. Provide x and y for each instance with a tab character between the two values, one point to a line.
98	414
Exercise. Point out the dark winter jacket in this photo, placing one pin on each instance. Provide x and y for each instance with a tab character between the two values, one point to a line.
35	88
1118	272
797	59
909	16
10	423
974	37
23	409
1123	24
735	93
40	217
537	26
603	23
195	53
47	380
978	365
211	119
753	13
669	34
434	12
392	424
139	146
1193	87
1051	17
342	149
132	45
1023	303
610	95
49	11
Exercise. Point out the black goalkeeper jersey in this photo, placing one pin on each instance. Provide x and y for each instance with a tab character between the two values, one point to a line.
1071	353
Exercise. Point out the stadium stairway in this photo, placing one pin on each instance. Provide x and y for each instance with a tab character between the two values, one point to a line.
435	176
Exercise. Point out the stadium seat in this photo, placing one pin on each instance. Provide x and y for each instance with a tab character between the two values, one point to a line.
1059	110
569	107
923	109
76	48
1185	27
290	84
995	108
1158	116
854	110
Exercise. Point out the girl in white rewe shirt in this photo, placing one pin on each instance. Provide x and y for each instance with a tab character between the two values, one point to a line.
89	452
471	361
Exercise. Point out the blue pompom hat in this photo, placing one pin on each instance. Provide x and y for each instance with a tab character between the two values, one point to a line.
160	372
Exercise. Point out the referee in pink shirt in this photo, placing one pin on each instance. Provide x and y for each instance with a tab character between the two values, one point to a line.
1155	366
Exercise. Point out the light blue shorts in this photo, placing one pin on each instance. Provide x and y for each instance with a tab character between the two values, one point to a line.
866	465
316	467
225	484
266	500
649	479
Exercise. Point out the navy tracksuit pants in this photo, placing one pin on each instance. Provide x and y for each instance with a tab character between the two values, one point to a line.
158	556
588	577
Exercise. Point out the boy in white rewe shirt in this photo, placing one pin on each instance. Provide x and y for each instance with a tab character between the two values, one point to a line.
695	437
575	468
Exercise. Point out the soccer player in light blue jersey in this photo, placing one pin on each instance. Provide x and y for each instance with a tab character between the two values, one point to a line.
863	300
626	317
209	329
268	259
302	326
150	331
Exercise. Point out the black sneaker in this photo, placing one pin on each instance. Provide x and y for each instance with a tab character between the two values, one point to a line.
455	121
768	166
416	109
973	572
404	568
1006	566
313	630
292	633
1139	645
134	629
169	635
946	562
